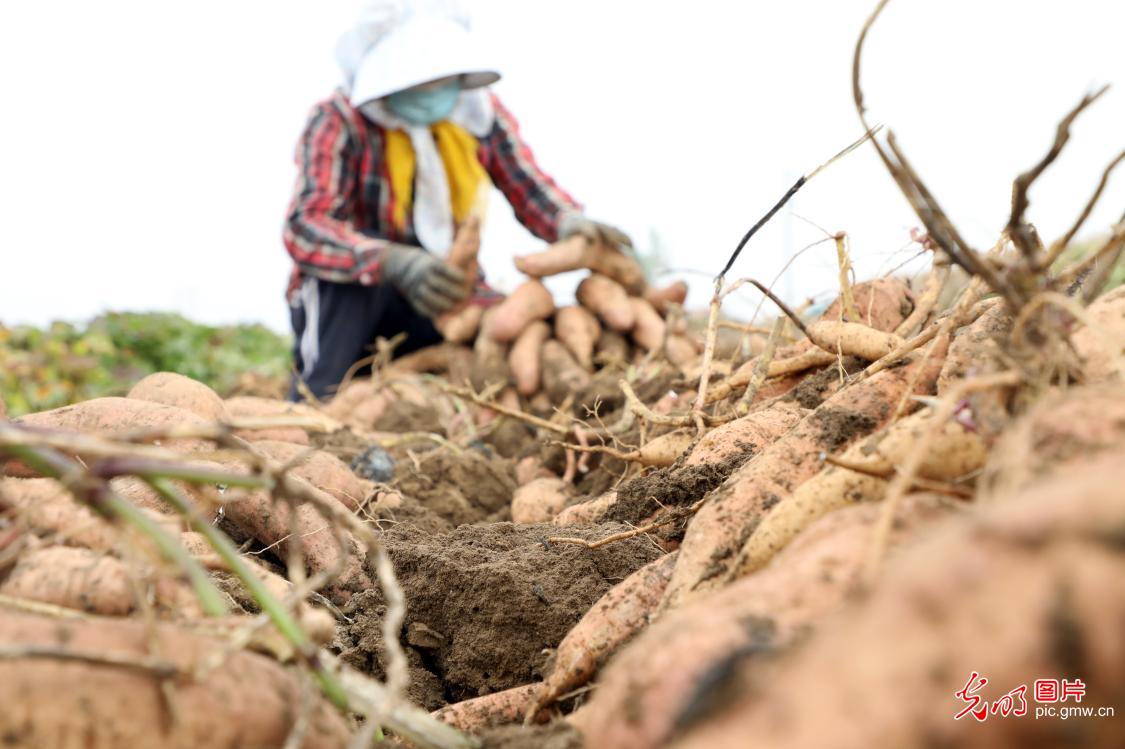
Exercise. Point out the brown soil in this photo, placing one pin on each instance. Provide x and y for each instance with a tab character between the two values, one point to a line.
816	387
465	487
558	735
639	498
404	416
840	425
485	602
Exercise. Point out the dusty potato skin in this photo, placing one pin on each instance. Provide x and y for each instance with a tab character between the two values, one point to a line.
247	703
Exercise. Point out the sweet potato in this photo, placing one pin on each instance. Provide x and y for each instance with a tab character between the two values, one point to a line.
1027	586
882	303
496	709
88	581
524	359
438	359
111	415
588	512
734	510
649	327
562	376
662	299
490	357
72	578
577	252
1080	422
538	501
323	470
246	406
1101	343
578	330
751	433
49	509
70	704
681	351
664	673
173	389
460	326
853	339
659	452
956	452
530	468
617	616
269	523
608	300
529	302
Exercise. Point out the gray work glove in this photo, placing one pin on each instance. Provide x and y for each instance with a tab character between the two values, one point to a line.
431	285
576	223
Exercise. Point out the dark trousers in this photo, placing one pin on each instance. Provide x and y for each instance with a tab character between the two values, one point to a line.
335	325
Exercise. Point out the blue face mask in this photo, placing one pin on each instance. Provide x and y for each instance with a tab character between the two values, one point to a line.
425	106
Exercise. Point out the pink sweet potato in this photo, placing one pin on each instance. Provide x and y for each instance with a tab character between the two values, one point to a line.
323	470
588	512
538	501
496	709
578	330
1026	588
617	616
70	704
660	674
751	433
649	327
529	302
608	300
46	508
734	510
663	298
525	359
173	389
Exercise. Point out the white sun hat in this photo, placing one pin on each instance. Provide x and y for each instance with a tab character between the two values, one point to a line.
398	44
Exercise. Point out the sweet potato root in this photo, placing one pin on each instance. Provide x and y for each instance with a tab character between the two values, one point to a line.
649	327
247	406
734	510
613	620
853	339
525	361
496	709
661	299
538	501
70	704
1027	586
173	389
578	330
529	302
956	452
665	672
608	300
659	452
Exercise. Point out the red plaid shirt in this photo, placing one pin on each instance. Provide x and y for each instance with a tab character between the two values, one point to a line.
339	220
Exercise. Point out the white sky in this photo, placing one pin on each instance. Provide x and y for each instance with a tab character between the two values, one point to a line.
147	146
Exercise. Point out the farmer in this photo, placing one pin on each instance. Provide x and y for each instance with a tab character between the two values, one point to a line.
388	168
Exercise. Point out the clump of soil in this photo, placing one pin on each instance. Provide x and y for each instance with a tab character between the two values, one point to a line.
463	487
676	486
840	425
405	416
557	735
814	388
485	602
